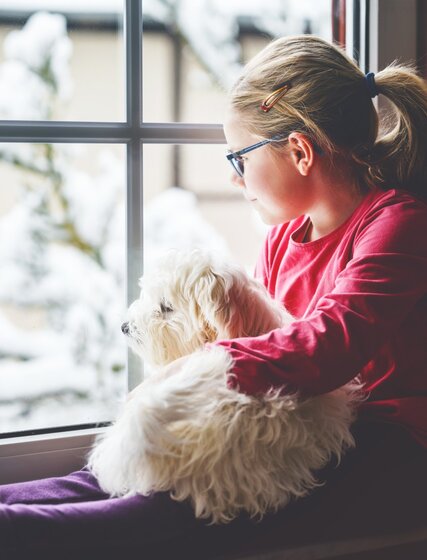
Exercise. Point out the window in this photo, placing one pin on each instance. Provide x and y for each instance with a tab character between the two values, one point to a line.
134	119
89	156
62	217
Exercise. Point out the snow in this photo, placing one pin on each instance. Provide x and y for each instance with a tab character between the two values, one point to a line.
62	251
43	41
43	375
81	6
15	342
36	67
159	9
65	360
83	194
23	98
43	36
212	33
211	26
173	221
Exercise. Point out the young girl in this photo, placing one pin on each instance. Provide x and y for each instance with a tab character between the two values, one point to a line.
348	253
347	256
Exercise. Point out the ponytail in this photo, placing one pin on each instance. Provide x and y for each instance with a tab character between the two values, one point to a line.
399	155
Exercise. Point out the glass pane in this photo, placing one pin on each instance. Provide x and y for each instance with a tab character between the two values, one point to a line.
62	284
63	64
189	202
193	51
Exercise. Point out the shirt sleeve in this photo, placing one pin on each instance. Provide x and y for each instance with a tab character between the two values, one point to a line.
372	295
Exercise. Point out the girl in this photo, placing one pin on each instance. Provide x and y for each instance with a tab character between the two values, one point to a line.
347	255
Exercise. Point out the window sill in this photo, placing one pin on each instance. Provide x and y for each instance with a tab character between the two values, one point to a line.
41	456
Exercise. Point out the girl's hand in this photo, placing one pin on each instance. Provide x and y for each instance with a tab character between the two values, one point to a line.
162	373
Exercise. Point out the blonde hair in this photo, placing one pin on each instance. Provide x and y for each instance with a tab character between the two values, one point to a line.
330	102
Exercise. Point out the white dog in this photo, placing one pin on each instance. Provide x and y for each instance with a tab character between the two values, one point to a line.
189	433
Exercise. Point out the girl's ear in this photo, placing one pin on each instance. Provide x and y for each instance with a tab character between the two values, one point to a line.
302	152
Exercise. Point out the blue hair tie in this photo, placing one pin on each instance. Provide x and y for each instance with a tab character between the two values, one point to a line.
371	85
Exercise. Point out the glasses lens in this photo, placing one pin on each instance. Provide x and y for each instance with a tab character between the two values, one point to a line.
238	166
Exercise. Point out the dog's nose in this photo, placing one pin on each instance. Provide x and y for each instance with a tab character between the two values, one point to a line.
125	328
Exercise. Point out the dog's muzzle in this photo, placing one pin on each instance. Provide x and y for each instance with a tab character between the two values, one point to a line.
125	328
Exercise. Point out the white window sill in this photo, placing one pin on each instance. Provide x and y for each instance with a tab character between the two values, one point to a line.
41	456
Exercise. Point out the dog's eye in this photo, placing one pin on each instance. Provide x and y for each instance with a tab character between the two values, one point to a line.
165	307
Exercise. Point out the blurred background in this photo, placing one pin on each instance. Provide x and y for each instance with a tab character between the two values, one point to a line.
63	206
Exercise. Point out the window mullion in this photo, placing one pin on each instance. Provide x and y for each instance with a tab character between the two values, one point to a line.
134	234
182	133
63	132
110	132
133	40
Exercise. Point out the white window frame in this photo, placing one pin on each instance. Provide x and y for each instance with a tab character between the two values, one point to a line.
31	457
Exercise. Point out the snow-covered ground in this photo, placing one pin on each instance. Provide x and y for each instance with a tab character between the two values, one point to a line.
41	381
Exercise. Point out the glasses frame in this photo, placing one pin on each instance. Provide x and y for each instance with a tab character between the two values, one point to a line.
235	158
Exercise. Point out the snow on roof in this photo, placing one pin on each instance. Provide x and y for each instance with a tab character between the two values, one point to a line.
254	8
82	6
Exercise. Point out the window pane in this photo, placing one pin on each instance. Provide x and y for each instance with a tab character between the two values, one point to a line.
205	210
63	64
193	51
62	284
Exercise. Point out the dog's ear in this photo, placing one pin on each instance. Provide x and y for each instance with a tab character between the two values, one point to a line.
234	305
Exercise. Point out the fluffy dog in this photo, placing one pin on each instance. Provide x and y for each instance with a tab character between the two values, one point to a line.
189	433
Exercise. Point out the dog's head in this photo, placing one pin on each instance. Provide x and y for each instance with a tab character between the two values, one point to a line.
190	298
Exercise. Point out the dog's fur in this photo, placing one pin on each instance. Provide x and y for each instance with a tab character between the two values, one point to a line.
192	435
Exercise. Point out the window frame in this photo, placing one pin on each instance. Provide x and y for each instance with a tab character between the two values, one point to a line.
55	454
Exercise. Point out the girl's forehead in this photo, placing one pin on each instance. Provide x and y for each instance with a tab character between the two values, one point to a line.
236	134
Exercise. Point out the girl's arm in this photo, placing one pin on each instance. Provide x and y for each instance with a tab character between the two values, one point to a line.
372	296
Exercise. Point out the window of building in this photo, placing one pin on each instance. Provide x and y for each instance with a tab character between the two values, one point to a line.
111	148
105	130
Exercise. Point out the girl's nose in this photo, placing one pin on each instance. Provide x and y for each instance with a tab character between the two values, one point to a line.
236	180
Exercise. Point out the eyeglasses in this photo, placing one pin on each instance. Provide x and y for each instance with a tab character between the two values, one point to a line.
236	160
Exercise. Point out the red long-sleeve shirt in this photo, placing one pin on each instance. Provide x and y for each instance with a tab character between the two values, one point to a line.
360	298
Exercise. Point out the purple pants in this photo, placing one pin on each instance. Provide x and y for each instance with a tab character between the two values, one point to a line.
379	488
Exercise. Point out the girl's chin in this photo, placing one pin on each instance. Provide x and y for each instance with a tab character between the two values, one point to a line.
269	220
266	217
